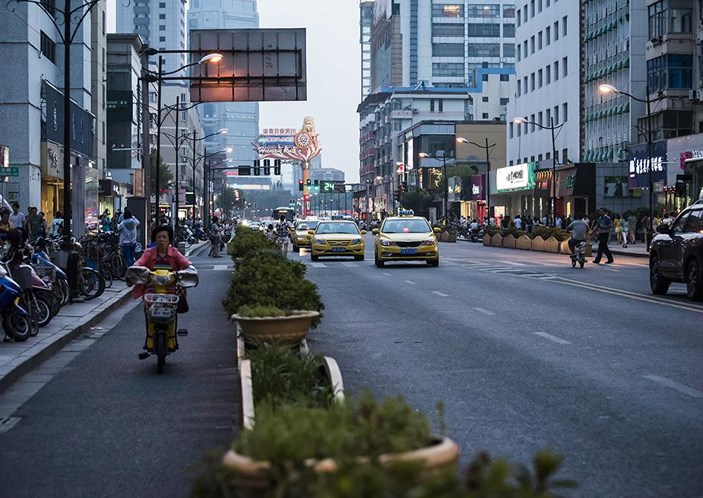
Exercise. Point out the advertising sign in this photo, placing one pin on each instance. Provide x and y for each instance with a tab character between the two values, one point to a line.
475	188
514	178
4	156
81	122
639	164
258	65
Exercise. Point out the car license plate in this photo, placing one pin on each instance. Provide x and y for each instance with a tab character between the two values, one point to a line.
338	249
408	251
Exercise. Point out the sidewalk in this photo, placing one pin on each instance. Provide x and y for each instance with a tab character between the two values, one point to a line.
18	358
638	250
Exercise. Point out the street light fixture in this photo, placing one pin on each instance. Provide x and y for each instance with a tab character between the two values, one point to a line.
445	200
551	128
488	149
606	89
158	78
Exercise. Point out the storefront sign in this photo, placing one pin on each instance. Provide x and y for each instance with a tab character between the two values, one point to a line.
4	156
566	181
640	164
543	183
515	178
475	188
81	128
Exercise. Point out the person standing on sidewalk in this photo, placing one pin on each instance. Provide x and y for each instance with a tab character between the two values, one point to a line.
17	218
632	224
128	236
603	225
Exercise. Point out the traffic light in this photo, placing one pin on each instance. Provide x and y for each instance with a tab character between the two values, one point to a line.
257	167
399	192
317	185
308	182
267	167
244	170
300	185
276	166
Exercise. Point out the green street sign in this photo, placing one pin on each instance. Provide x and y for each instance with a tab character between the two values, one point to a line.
9	172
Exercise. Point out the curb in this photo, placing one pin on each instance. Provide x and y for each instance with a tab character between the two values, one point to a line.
35	360
630	254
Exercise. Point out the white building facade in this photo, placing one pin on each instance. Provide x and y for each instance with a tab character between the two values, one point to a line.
547	75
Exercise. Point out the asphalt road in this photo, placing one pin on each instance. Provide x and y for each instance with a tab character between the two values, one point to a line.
105	424
528	353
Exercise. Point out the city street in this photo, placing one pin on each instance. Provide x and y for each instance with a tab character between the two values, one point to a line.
524	351
528	353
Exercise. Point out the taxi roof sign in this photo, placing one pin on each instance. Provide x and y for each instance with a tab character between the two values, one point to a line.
406	212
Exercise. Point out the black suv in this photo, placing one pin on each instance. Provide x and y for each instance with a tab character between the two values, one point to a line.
676	254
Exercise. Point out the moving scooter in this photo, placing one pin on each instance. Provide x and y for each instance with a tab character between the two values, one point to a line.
161	308
579	255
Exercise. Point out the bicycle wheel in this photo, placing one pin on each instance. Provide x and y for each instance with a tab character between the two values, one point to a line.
118	265
24	302
90	283
105	270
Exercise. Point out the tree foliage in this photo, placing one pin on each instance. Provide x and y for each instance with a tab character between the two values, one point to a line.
165	174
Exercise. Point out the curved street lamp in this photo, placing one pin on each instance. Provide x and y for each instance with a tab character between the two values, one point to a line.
488	149
606	89
551	127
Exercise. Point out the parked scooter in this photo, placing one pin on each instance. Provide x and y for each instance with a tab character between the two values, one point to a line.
579	255
161	307
13	309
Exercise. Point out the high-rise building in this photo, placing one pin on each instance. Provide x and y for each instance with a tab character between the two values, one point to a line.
241	119
547	48
365	24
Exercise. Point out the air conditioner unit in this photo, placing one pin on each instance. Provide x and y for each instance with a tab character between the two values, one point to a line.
692	94
699	94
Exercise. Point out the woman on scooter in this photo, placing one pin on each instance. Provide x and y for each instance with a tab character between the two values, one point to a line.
163	256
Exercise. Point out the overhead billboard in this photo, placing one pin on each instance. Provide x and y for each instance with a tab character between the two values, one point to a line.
258	65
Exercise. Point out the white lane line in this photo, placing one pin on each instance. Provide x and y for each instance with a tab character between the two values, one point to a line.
386	274
220	267
485	312
349	264
442	294
552	338
318	265
513	263
409	282
676	386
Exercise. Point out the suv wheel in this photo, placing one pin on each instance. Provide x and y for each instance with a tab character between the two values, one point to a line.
694	282
657	283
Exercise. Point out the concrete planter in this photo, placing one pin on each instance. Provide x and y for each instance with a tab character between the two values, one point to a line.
523	242
538	244
486	240
509	241
497	240
289	329
252	476
551	245
564	246
447	237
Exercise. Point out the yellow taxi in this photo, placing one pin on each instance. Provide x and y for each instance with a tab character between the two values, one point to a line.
300	236
405	238
337	238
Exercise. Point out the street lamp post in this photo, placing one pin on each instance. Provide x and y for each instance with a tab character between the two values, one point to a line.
487	148
606	89
552	128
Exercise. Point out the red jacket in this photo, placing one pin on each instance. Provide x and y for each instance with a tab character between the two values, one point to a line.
177	261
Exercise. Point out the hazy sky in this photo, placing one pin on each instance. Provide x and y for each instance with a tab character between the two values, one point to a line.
333	72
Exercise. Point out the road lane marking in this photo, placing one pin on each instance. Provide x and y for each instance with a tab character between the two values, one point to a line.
628	294
676	386
409	282
386	274
220	267
442	294
513	263
552	338
318	265
485	312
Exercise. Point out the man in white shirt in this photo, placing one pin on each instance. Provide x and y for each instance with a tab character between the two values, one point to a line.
17	218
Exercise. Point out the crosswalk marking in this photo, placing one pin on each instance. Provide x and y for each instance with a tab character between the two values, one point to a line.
220	267
318	265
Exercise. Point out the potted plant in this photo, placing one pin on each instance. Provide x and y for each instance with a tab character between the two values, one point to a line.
262	323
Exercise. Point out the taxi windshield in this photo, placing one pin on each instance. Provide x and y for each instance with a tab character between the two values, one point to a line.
307	225
406	226
337	228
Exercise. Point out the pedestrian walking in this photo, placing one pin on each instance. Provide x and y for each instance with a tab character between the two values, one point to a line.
625	229
283	233
56	226
127	229
632	224
617	223
215	237
35	224
603	225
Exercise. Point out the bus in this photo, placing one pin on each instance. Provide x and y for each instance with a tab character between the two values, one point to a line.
288	212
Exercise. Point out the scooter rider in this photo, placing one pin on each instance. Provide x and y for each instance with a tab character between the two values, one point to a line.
579	231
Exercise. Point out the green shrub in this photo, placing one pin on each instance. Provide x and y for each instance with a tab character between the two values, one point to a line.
281	375
546	232
248	242
250	311
269	279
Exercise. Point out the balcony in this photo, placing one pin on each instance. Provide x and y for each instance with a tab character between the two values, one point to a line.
670	43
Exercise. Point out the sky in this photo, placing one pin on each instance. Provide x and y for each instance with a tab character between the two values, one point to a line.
333	74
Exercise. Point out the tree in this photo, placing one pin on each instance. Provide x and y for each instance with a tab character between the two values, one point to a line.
417	200
165	174
227	200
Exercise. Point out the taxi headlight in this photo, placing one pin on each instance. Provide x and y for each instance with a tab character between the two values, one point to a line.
429	242
356	241
387	243
320	241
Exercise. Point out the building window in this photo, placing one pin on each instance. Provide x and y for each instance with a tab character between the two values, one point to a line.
509	11
532	9
504	100
519	51
565	111
556	114
673	71
431	105
162	5
452	11
564	155
47	47
50	6
539	5
539	78
547	35
532	44
565	66
511	129
532	82
508	31
482	10
556	31
162	16
448	69
485	115
504	77
539	118
162	38
483	49
548	115
448	50
484	77
539	41
556	70
484	30
441	105
484	99
519	87
162	28
548	75
508	50
450	30
564	29
524	49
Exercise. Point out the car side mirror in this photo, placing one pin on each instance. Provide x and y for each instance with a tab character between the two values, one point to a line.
363	232
374	231
663	228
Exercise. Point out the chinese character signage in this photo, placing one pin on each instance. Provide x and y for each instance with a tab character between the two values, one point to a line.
513	178
639	164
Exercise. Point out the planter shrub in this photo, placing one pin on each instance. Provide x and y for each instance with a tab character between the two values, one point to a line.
247	242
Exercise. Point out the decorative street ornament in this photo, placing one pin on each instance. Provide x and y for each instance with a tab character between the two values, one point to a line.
306	146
